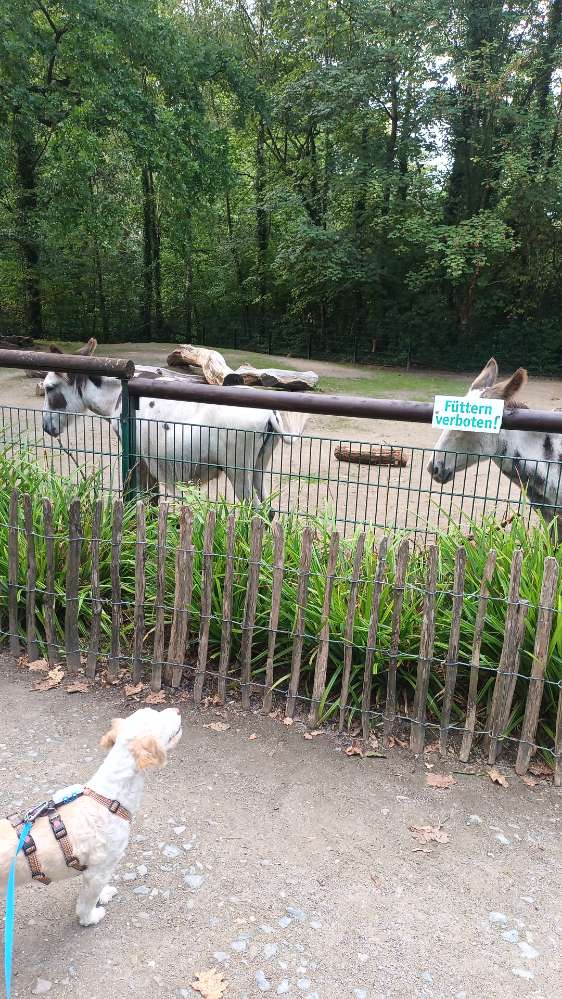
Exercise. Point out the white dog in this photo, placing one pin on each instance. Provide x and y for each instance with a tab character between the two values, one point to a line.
91	833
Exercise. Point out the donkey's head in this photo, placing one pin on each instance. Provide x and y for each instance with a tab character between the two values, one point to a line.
458	449
64	393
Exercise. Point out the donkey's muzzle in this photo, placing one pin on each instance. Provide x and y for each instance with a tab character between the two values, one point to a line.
52	424
439	472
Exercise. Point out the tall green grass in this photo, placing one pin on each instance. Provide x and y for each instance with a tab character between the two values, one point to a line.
537	541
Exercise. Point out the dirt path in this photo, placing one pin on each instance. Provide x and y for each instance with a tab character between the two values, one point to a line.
306	882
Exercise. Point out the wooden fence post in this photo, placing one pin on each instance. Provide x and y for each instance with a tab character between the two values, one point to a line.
49	599
402	557
159	613
507	654
116	611
324	637
226	629
277	586
540	660
417	732
140	590
470	723
30	605
13	571
348	631
95	630
453	650
302	601
372	638
250	610
71	638
182	595
206	605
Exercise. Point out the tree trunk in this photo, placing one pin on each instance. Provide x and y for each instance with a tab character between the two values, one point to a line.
261	223
547	61
146	310
26	157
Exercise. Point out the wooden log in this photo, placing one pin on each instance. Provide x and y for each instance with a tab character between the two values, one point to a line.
188	566
348	630
417	732
13	572
324	636
71	638
471	704
402	557
453	649
302	601
226	629
95	630
140	590
206	605
250	605
276	590
369	454
16	341
178	633
114	660
213	365
372	639
540	660
30	603
509	634
278	378
160	614
49	598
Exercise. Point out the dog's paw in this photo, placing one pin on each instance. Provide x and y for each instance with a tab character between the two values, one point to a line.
107	894
93	917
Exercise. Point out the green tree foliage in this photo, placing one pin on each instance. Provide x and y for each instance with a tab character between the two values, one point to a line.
350	178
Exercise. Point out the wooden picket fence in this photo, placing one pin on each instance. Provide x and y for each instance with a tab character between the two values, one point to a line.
170	641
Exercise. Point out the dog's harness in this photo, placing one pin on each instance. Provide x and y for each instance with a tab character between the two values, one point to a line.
51	809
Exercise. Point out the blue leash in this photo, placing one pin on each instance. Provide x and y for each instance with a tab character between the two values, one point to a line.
11	911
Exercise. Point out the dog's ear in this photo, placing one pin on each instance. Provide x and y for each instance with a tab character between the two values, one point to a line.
108	740
148	752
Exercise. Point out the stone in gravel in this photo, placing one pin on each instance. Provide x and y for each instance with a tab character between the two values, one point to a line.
283	987
502	839
171	851
128	877
315	924
270	950
266	928
221	956
363	958
512	936
427	977
303	984
141	890
359	994
262	982
179	830
284	922
528	952
184	994
522	973
142	870
474	820
193	881
72	970
239	945
497	918
312	995
297	914
41	987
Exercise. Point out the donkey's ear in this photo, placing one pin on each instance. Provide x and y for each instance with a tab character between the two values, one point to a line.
54	349
509	388
487	377
88	348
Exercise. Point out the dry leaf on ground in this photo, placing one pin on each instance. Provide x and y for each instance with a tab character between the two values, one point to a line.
217	726
497	778
22	662
429	834
354	751
132	689
288	721
307	735
530	781
210	984
432	748
155	697
540	769
39	666
78	687
252	737
393	741
53	678
442	781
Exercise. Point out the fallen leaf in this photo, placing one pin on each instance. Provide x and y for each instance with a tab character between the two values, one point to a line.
373	741
132	689
217	726
39	666
432	748
317	731
540	769
288	721
210	984
354	751
252	737
374	754
307	735
155	697
497	778
78	687
530	781
377	882
442	781
429	834
22	662
393	741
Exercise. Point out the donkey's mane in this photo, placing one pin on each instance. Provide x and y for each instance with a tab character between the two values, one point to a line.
515	404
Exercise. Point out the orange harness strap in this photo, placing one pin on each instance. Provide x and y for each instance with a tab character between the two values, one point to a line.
30	850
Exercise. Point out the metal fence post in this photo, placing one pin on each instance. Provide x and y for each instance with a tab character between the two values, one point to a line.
129	460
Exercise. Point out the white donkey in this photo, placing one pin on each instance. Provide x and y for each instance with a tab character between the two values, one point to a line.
530	458
178	441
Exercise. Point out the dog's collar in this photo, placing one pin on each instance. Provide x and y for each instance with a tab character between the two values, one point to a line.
112	805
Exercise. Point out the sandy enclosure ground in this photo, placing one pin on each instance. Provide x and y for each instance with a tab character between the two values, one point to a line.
304	476
288	866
